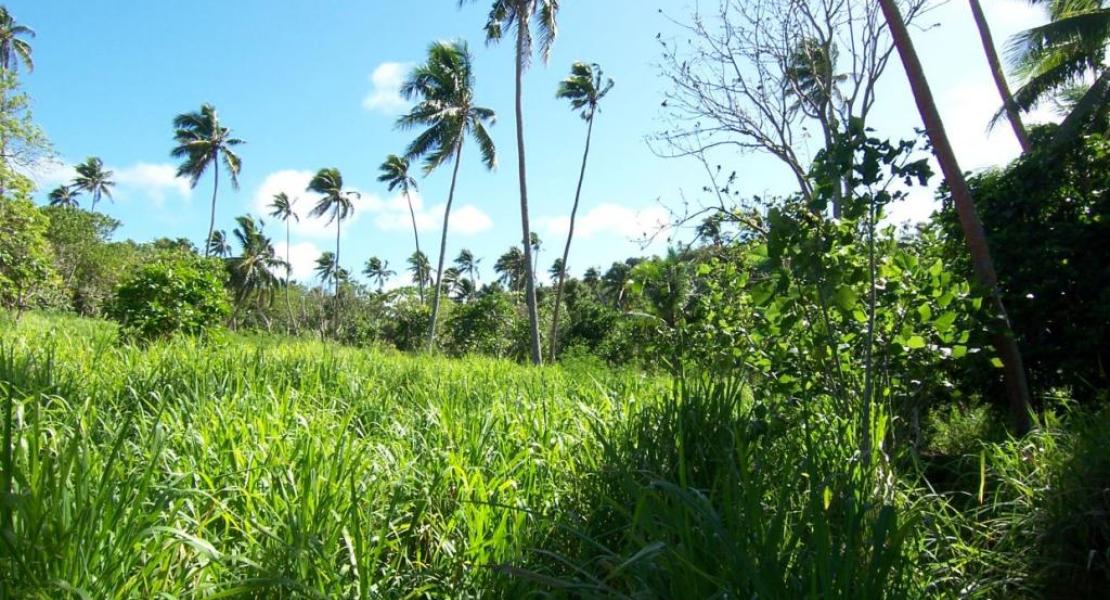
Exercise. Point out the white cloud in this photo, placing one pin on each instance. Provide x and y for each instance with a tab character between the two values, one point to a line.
302	256
385	95
466	220
143	181
388	215
609	218
153	181
294	183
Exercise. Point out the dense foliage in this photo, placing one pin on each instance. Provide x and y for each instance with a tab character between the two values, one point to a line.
173	294
1048	217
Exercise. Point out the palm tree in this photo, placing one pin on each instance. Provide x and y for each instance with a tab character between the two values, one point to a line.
982	264
218	244
378	270
395	173
468	264
536	243
252	272
1012	112
327	269
512	269
444	90
13	49
64	195
518	15
464	289
585	88
336	204
282	208
451	279
1068	52
202	142
420	268
557	271
92	178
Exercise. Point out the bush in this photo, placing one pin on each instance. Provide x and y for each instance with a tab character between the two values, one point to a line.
177	293
483	326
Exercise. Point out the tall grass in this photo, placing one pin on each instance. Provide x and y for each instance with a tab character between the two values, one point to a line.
271	468
295	470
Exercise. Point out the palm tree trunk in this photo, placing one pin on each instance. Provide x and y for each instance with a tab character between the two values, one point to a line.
288	274
335	277
443	249
526	239
982	265
1012	112
416	237
215	190
566	249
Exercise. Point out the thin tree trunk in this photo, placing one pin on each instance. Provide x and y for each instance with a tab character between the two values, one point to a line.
1012	112
215	190
1003	338
335	277
566	249
416	237
288	274
443	249
526	239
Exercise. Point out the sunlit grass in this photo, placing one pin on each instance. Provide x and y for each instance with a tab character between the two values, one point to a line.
270	467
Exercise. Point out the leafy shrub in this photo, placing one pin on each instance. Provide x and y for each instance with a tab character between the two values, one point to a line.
408	326
177	293
483	326
27	275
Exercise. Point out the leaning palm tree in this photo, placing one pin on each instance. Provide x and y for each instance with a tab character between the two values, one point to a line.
14	48
467	264
443	88
282	208
218	244
202	142
1013	114
507	15
335	202
252	272
585	88
512	269
327	269
378	270
64	195
395	173
92	178
982	264
1065	55
420	268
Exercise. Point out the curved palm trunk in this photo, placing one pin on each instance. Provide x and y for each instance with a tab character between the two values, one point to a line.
526	232
443	250
416	237
1003	339
1012	112
215	190
566	249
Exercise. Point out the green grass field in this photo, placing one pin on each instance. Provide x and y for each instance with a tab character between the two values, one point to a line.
300	467
268	467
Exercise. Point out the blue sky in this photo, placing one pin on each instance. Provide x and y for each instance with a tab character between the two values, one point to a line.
311	84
